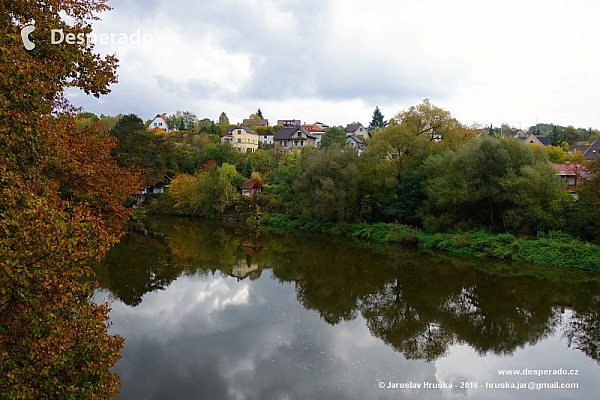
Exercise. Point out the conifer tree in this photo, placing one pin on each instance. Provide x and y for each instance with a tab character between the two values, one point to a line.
377	121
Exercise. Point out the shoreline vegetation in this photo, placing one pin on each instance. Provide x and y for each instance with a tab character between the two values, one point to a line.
556	249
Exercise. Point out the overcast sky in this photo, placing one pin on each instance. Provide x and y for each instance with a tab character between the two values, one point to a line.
333	61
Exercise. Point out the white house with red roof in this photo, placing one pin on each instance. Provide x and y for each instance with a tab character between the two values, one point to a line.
159	122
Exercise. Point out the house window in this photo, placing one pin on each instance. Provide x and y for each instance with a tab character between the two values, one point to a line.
239	140
299	134
160	124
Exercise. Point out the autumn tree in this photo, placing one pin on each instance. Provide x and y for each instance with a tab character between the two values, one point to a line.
61	197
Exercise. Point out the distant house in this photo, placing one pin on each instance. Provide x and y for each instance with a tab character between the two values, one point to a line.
159	122
250	122
570	175
592	152
293	138
321	125
357	143
266	139
289	122
357	129
158	187
535	139
241	138
251	187
315	130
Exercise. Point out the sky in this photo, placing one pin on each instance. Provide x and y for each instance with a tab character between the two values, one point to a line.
487	62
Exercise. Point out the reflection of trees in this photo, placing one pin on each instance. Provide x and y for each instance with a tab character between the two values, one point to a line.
135	266
500	315
421	315
583	332
390	317
418	303
144	261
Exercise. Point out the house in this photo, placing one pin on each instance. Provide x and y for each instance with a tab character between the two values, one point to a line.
293	138
289	122
570	175
251	187
242	138
315	130
159	122
592	152
260	122
158	187
357	129
321	125
266	139
535	139
357	143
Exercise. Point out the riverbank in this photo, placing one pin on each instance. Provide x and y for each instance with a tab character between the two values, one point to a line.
554	249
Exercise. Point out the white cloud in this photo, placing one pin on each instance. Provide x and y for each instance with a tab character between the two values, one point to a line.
492	62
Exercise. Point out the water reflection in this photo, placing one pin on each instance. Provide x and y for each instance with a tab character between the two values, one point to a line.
420	305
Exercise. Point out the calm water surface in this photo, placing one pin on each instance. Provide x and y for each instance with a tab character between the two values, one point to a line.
211	311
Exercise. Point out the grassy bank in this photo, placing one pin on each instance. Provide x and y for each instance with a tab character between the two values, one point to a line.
555	249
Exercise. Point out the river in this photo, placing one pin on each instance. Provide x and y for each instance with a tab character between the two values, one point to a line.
218	311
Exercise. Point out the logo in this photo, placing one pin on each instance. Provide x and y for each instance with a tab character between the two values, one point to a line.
29	45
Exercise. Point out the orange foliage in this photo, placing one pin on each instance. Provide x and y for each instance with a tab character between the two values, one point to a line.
61	197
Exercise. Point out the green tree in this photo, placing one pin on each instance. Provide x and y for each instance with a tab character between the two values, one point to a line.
556	154
573	135
248	168
557	136
498	184
255	120
585	221
223	122
259	114
182	120
143	151
334	136
208	126
377	121
327	186
208	193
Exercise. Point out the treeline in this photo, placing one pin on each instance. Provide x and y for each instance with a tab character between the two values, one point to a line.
425	170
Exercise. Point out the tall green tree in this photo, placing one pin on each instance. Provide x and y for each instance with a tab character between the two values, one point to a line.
223	121
378	120
557	136
259	114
